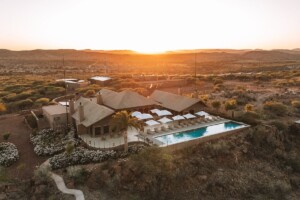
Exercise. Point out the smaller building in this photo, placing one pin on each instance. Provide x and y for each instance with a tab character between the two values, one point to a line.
72	84
100	80
56	115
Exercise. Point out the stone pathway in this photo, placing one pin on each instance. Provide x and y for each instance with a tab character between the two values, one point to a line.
61	184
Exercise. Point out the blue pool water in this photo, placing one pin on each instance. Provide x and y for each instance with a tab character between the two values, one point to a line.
197	133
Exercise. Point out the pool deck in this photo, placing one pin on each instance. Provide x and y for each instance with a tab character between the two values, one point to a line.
183	129
135	136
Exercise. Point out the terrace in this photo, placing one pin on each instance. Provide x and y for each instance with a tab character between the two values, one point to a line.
161	126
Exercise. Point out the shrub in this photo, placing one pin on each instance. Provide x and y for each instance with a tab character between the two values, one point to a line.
77	174
2	107
42	174
23	104
230	104
8	154
275	107
216	104
248	107
279	125
89	93
218	148
296	104
6	136
250	118
43	101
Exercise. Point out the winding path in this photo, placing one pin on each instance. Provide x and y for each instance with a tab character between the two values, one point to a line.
61	184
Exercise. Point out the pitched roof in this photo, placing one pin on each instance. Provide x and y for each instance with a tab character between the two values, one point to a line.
93	112
124	100
173	101
55	109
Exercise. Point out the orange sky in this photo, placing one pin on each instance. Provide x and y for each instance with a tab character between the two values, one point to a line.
149	26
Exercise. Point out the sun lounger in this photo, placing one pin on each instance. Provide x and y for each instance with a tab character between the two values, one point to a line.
172	127
163	128
157	130
150	132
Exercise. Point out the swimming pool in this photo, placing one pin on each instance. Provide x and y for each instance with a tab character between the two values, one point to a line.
197	133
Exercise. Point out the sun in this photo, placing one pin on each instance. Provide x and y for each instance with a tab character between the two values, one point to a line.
150	51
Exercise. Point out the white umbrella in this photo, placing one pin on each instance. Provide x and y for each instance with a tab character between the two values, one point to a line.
178	117
202	113
189	116
151	122
165	120
163	113
154	110
144	116
135	113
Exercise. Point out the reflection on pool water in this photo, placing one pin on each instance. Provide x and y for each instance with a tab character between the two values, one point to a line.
197	133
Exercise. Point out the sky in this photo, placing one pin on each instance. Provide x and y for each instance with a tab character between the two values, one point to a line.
149	25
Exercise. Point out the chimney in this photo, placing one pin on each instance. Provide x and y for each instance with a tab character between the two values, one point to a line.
71	106
99	99
81	112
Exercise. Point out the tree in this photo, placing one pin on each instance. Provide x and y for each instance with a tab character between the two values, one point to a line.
2	107
69	148
216	104
121	121
248	107
230	105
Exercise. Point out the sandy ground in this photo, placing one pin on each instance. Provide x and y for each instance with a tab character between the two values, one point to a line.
24	167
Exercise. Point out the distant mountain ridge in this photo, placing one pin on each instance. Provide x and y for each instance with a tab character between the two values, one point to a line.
202	54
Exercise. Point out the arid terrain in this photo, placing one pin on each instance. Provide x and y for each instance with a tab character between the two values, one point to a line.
257	87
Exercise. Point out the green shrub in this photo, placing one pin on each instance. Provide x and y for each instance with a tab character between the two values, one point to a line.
6	136
78	174
43	101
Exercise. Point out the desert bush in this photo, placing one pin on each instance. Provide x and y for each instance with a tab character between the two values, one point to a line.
78	174
216	104
218	148
43	101
218	81
89	93
4	93
281	126
248	107
2	107
6	136
42	174
230	104
22	104
275	107
296	104
250	117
